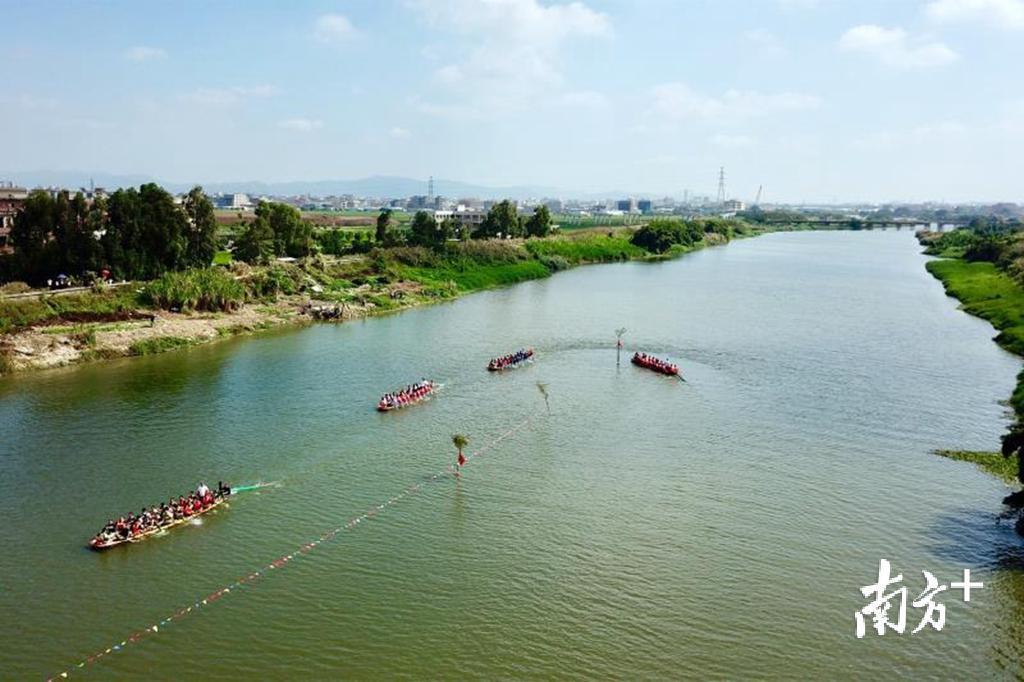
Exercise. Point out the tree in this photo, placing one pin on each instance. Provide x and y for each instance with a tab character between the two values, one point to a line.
539	224
449	228
383	226
202	229
30	234
502	219
256	245
423	231
292	235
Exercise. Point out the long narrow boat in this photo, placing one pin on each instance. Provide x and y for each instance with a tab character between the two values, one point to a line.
99	544
510	361
418	395
655	364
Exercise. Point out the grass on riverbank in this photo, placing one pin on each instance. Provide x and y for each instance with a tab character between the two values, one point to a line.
21	313
988	293
993	463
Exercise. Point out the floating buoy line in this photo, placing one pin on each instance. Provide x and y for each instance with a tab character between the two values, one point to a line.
277	564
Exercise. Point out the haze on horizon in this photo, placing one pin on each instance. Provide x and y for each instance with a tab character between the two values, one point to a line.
817	100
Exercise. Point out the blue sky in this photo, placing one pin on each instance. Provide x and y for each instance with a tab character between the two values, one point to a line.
817	100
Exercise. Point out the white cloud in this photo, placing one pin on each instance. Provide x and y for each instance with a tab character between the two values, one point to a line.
301	125
333	28
732	141
895	47
512	49
399	133
144	53
585	99
1000	13
228	96
764	42
679	101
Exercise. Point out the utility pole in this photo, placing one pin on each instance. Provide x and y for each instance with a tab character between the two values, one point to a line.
618	345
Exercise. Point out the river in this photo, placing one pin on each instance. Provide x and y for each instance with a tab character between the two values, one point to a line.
645	528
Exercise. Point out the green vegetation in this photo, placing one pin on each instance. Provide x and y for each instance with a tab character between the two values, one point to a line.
464	266
991	462
589	247
209	289
223	258
159	345
22	313
143	234
989	293
662	235
986	273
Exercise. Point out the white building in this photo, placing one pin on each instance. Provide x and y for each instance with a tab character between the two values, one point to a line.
463	215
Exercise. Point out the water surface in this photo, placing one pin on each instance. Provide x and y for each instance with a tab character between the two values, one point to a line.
645	529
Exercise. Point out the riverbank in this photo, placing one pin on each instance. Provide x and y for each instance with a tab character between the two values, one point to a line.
993	294
56	331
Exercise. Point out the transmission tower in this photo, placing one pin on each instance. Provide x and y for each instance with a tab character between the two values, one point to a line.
721	185
430	190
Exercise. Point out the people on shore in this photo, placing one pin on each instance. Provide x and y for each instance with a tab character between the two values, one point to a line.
521	355
406	396
132	525
651	362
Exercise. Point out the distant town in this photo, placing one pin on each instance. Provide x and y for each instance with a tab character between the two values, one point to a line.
471	211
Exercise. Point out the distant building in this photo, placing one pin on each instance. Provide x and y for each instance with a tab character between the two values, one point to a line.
419	202
644	205
12	200
733	205
234	202
626	205
466	217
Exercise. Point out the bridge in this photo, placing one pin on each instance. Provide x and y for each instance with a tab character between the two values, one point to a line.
875	223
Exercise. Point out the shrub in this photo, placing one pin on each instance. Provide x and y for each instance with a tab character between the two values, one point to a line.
158	345
209	289
275	281
15	288
554	263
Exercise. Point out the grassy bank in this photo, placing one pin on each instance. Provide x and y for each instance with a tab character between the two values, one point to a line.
186	308
986	292
990	462
990	290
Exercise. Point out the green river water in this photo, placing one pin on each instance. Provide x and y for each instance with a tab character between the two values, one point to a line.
645	529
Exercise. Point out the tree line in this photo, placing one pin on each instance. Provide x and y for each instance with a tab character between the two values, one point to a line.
136	234
143	233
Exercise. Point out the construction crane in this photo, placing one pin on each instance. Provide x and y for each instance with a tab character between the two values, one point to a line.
757	200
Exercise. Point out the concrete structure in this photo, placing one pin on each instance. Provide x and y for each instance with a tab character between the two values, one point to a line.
734	205
465	216
234	202
12	200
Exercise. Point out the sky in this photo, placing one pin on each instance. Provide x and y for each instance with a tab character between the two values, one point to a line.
812	100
